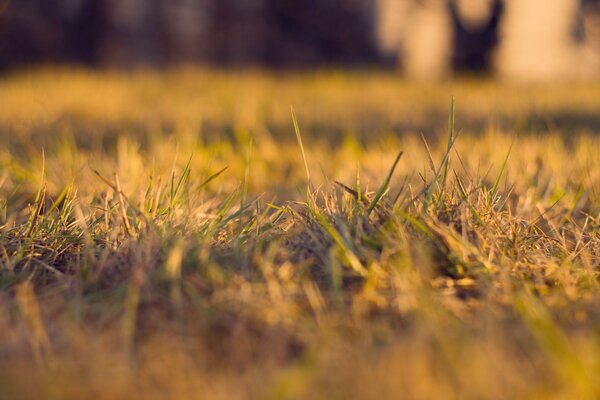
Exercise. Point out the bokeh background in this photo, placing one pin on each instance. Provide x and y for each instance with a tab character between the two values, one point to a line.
426	39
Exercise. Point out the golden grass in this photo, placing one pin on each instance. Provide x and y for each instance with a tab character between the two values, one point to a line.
159	238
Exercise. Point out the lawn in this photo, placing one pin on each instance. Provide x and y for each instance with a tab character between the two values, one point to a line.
185	235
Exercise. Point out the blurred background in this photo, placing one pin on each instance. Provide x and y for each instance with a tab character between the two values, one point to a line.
425	39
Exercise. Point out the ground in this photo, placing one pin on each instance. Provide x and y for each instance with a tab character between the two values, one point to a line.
183	234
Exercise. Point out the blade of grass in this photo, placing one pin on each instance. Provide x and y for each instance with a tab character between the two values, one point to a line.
299	139
61	197
345	251
357	195
247	158
385	185
210	178
433	183
39	199
450	137
358	190
185	176
124	216
429	156
497	182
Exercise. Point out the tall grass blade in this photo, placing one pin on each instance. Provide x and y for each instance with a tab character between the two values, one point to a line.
358	190
497	182
247	158
125	218
40	198
385	185
64	194
37	210
431	187
450	138
185	176
299	139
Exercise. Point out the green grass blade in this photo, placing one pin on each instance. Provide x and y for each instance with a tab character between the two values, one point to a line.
59	200
433	183
497	182
40	198
345	251
185	175
385	185
212	177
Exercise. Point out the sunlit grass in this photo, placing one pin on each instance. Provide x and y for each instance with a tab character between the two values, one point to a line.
182	235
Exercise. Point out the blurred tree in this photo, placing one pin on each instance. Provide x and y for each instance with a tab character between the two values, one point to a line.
429	38
475	34
528	39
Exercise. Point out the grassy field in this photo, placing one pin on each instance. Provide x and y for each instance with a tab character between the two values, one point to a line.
181	235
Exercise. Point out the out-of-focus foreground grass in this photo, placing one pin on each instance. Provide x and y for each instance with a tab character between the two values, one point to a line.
160	238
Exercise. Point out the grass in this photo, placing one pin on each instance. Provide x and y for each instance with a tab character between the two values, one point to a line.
181	235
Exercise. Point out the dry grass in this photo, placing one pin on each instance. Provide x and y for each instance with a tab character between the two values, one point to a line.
160	240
